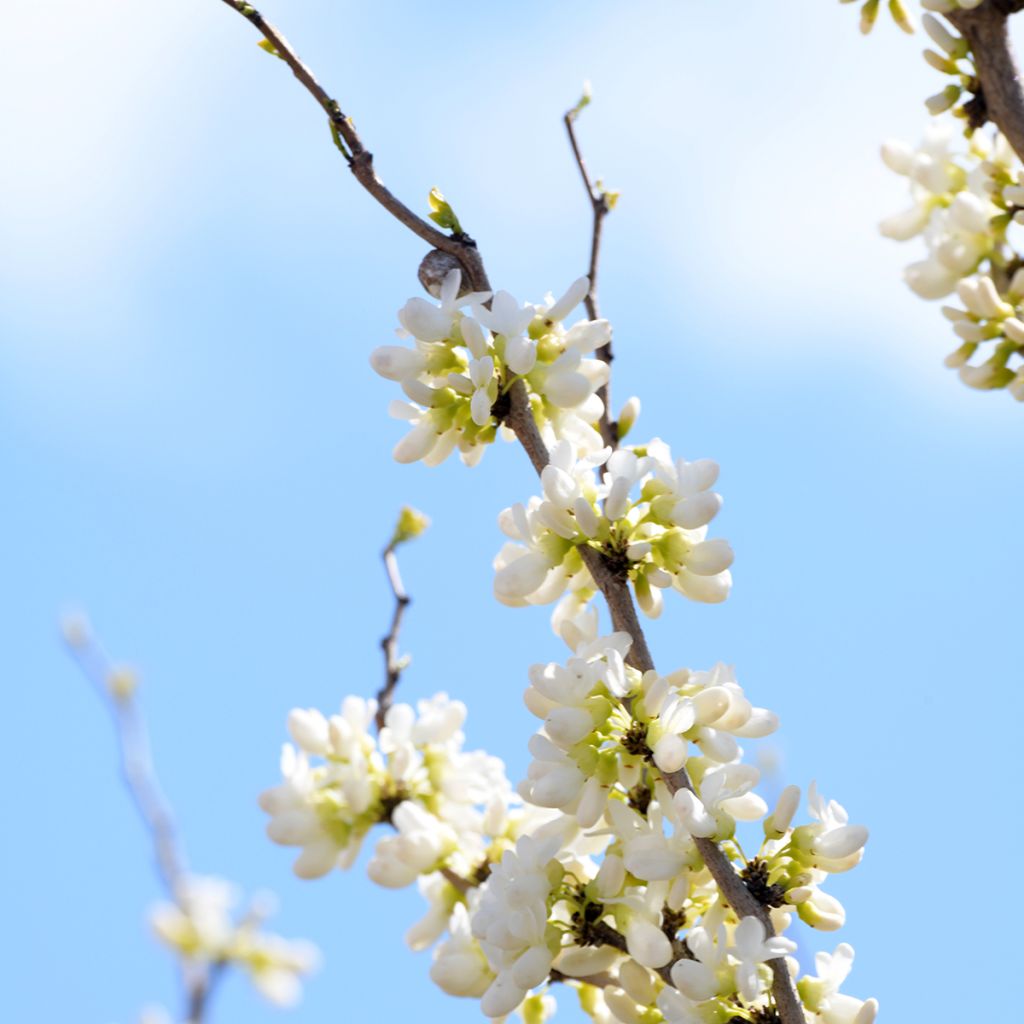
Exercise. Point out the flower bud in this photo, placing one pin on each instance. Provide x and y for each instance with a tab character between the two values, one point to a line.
621	1006
840	843
628	416
777	824
647	943
637	982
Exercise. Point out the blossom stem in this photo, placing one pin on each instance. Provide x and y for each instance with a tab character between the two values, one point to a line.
393	665
140	779
360	159
601	208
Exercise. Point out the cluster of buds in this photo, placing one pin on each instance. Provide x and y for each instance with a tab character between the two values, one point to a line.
458	373
340	781
995	321
965	200
646	513
203	929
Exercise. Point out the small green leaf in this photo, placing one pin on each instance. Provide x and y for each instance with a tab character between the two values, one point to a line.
441	213
411	523
268	47
584	101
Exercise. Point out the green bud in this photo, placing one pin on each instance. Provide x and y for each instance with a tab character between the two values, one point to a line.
900	16
441	213
582	102
411	523
812	991
532	1009
868	14
589	1004
940	63
942	101
627	416
268	47
122	682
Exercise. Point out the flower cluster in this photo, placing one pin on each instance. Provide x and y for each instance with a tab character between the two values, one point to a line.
202	928
457	375
646	513
599	874
340	781
592	873
966	199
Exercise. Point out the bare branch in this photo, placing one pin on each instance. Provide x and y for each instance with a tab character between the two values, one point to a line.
986	29
360	159
393	664
116	688
601	207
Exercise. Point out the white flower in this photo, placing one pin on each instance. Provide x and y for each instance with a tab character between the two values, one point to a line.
697	979
647	852
835	844
659	537
723	794
511	921
821	994
422	842
460	967
751	949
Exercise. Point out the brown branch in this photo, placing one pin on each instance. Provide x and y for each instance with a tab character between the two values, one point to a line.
457	881
986	30
601	208
393	664
520	419
624	617
602	980
360	159
202	991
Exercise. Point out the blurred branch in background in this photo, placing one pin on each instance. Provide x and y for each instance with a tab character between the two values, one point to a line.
197	921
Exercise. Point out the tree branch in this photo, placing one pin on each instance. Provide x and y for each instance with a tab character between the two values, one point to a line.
520	419
116	688
360	159
137	771
601	208
602	980
393	664
624	617
986	29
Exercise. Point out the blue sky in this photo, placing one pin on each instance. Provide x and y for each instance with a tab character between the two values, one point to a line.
195	449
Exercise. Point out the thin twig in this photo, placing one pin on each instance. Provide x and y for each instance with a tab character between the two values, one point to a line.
520	419
138	774
602	980
393	664
986	29
601	208
457	881
201	992
360	159
137	770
